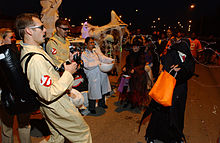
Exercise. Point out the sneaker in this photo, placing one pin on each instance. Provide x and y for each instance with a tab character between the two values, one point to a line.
85	112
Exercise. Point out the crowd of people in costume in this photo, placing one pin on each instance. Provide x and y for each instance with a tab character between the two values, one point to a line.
58	87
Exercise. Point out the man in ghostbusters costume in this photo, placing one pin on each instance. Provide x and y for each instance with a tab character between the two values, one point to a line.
62	117
58	46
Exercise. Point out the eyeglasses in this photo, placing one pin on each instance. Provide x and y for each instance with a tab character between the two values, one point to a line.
40	27
65	29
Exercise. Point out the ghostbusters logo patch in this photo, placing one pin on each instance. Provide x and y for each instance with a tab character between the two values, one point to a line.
46	81
77	81
54	51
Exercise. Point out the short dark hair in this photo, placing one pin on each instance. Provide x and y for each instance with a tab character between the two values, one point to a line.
24	20
87	39
61	21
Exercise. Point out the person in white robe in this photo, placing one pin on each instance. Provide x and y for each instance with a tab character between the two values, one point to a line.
98	81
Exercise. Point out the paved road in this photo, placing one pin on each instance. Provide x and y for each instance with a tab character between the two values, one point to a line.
202	116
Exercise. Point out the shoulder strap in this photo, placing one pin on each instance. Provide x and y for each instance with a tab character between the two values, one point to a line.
29	58
27	61
25	56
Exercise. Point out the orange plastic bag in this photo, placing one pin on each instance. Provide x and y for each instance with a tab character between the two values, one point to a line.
162	91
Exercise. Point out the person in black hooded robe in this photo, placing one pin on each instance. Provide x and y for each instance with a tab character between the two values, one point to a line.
167	123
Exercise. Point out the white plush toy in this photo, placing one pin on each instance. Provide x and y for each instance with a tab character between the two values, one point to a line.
77	98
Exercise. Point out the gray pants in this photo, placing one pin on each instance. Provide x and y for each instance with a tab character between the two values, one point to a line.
7	121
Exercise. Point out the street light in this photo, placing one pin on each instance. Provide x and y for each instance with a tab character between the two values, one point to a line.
192	6
191	15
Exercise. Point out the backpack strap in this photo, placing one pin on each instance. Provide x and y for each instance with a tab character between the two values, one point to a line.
27	61
31	54
25	56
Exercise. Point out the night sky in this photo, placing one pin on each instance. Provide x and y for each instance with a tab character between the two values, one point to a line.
170	11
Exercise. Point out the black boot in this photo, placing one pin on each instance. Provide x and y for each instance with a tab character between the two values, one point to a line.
101	102
92	111
92	106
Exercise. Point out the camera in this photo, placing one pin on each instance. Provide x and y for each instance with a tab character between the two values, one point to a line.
62	69
76	51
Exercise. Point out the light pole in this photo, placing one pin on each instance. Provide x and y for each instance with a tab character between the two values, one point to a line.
191	9
189	23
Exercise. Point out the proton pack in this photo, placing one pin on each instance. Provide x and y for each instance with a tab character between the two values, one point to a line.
17	96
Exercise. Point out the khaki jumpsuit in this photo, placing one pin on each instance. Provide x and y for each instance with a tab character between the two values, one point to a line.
62	117
58	49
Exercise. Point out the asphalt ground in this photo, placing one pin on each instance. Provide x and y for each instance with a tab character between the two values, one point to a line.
120	125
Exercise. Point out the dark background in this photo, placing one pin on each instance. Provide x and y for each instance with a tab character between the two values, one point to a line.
205	15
